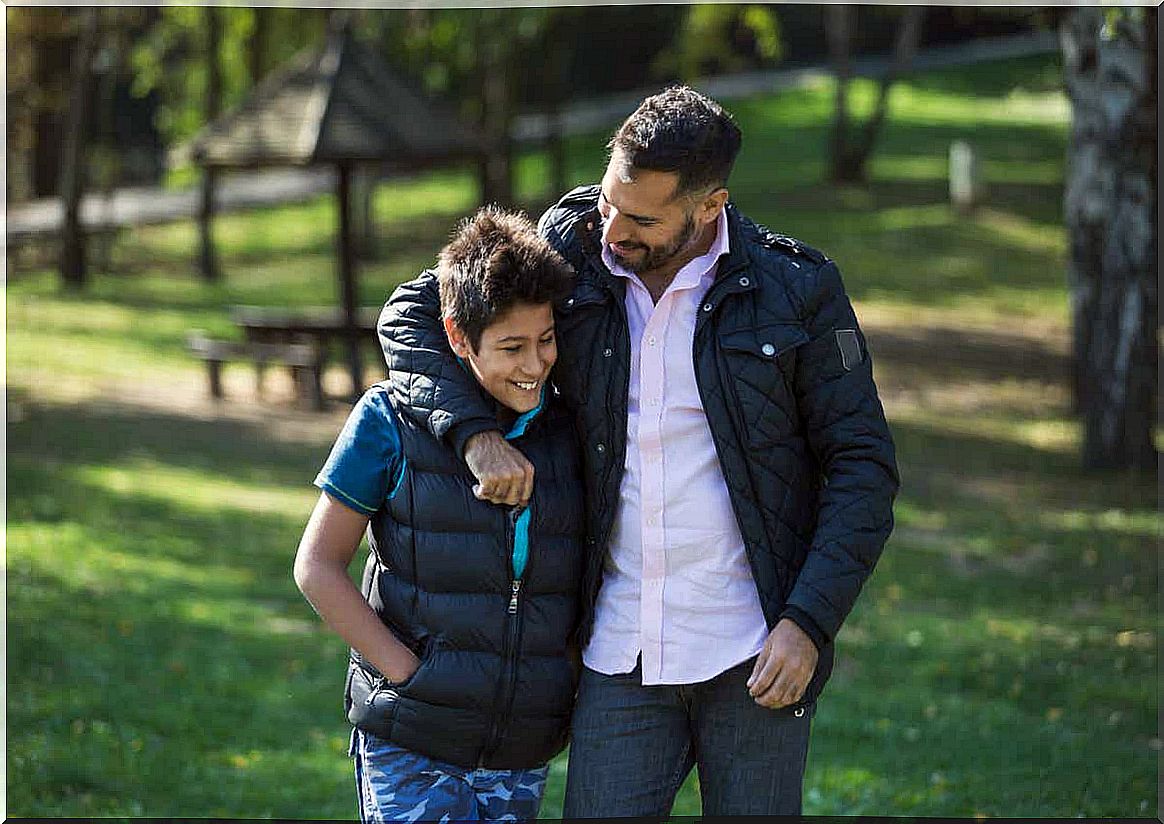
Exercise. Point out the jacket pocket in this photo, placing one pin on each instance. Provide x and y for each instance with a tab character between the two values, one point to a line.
759	365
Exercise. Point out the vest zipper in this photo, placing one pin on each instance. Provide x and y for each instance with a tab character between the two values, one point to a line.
507	683
377	687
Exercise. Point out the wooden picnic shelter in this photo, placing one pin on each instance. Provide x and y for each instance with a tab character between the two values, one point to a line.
339	105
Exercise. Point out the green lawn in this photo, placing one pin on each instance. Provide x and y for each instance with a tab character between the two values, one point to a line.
1001	662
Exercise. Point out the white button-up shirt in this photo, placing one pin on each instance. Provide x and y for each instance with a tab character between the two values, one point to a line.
676	584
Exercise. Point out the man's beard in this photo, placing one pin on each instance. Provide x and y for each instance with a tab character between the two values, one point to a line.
657	256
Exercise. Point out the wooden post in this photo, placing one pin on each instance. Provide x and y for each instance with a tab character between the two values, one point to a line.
965	177
347	274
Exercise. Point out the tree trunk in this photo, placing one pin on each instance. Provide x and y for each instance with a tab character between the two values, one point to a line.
1111	212
496	164
849	156
257	48
839	28
207	257
74	155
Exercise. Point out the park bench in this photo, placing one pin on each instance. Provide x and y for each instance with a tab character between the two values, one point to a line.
304	361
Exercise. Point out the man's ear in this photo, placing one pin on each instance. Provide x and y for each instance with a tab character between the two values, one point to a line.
711	205
458	342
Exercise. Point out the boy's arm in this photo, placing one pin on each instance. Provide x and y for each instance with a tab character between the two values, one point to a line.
432	388
321	572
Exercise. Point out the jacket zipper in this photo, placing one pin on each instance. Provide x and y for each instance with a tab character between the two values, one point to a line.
509	649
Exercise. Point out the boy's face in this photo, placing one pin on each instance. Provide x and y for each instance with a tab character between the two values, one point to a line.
515	355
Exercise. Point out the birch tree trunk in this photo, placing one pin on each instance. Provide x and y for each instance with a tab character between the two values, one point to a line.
1110	210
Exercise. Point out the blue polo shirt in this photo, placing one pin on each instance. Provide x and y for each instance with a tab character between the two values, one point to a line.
365	464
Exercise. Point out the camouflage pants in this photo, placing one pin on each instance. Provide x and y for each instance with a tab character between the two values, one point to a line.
395	784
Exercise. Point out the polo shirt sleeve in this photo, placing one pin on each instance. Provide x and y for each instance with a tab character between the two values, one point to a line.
365	463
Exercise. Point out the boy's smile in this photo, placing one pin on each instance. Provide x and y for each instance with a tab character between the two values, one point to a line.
514	356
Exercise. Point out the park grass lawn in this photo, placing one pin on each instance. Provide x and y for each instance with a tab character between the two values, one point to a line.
1001	662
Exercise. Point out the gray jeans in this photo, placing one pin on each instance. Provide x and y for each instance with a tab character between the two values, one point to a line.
633	746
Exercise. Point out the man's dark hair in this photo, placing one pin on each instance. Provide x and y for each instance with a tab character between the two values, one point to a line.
494	261
682	131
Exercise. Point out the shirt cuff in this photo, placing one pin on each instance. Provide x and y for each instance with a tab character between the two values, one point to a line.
461	433
805	622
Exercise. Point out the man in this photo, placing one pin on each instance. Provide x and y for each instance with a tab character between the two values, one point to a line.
739	472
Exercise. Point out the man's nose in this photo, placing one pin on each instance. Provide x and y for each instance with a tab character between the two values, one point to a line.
614	227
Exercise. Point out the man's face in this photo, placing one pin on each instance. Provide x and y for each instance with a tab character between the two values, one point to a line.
514	357
643	221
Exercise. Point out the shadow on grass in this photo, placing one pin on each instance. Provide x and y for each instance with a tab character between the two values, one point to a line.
67	436
160	655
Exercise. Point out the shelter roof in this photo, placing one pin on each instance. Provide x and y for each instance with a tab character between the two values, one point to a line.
341	102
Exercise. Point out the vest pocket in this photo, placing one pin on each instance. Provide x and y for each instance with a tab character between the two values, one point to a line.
371	702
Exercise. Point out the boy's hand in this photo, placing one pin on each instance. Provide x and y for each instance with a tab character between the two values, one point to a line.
504	475
400	674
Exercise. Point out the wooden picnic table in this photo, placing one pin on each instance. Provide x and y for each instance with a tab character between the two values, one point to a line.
317	326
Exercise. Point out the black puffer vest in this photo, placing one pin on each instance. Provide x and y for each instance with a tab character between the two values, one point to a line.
495	687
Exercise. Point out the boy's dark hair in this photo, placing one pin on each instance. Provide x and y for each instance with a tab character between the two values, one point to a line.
494	261
682	131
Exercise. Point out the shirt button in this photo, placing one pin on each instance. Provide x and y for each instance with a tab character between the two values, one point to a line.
744	282
570	302
768	349
707	307
606	353
651	340
600	448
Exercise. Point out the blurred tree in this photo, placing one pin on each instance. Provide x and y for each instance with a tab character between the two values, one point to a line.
207	259
849	153
74	154
720	39
472	56
1111	211
257	44
170	58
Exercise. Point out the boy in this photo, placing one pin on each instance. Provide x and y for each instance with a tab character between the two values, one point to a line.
460	685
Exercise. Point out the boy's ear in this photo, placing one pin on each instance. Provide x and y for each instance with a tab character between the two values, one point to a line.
458	342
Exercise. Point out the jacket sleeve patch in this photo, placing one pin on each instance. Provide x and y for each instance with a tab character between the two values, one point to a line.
850	348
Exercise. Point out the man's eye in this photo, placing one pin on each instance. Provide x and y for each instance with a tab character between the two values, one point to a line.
510	348
546	341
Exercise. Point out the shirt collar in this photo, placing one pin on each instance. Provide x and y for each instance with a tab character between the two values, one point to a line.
695	269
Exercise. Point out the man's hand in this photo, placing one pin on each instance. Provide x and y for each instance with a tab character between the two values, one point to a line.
503	474
784	666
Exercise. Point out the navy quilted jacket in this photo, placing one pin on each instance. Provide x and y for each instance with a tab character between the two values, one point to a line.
787	386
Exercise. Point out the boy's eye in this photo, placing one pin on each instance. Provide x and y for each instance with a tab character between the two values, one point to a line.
516	348
548	339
